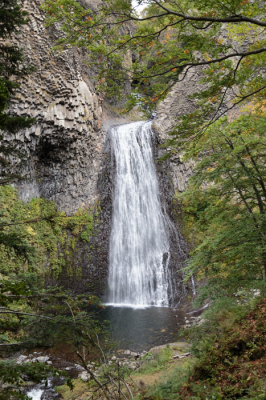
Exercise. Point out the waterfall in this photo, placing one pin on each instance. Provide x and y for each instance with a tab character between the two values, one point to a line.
139	243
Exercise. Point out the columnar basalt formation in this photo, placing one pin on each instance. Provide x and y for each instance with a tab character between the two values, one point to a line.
64	147
177	104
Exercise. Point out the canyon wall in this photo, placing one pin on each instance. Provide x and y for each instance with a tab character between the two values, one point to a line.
64	147
176	104
65	159
67	156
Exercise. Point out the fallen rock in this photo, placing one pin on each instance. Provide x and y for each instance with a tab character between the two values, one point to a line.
180	356
21	359
85	376
50	394
42	359
201	321
79	367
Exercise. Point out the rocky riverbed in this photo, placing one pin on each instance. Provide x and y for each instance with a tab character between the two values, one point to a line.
128	360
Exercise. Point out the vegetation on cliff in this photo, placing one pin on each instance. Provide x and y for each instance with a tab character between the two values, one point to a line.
48	237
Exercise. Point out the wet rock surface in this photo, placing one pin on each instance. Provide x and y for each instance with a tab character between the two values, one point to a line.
178	245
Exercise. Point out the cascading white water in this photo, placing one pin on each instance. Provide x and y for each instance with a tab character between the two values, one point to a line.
139	245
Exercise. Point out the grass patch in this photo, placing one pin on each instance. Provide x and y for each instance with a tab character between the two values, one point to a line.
158	363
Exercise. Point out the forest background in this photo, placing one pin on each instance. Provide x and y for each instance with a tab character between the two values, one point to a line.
223	215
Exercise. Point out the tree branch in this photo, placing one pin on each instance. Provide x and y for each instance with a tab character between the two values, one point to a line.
230	19
201	63
23	313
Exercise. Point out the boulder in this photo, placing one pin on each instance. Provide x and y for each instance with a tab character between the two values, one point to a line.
21	359
42	359
85	376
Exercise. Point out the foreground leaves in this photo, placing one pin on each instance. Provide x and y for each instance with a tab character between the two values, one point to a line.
225	206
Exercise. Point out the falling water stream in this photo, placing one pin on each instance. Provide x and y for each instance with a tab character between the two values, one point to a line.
139	245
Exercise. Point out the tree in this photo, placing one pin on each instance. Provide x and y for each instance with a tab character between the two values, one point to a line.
226	203
12	68
31	317
170	38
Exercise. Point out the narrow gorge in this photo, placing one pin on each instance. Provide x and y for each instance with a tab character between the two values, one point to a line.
70	161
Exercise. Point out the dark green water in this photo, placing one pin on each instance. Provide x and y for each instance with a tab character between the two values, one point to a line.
141	329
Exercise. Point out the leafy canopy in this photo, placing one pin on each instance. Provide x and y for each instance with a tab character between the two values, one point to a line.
225	205
223	40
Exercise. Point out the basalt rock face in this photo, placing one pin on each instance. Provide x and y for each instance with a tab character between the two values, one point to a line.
180	102
178	247
177	104
64	147
67	158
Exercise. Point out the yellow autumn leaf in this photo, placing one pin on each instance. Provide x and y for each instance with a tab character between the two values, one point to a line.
30	231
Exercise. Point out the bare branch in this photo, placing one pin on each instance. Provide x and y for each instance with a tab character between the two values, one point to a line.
32	221
243	98
156	34
12	344
23	313
94	377
230	19
71	311
224	94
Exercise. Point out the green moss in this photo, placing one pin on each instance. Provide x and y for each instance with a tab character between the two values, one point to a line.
52	234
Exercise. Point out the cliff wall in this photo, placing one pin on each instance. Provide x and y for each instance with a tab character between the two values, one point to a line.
64	147
176	104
